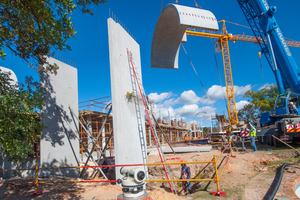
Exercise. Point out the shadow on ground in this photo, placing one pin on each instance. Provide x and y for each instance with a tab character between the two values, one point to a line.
25	191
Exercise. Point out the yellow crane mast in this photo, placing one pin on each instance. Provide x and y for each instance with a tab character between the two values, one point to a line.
222	42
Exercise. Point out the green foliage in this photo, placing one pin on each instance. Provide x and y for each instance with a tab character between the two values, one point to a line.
264	99
31	28
249	113
130	95
205	131
199	175
20	123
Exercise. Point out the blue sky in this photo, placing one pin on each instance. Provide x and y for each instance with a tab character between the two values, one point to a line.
177	91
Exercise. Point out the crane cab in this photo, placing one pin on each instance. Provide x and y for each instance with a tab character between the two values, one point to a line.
287	104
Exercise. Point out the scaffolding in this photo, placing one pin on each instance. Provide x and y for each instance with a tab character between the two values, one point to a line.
95	120
173	133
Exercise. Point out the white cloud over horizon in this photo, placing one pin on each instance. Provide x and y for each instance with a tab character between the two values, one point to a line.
240	105
188	103
241	90
267	85
187	97
159	97
217	92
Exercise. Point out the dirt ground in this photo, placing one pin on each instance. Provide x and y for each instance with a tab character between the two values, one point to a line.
242	178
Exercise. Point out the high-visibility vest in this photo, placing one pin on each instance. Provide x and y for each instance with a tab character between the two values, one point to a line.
253	133
228	131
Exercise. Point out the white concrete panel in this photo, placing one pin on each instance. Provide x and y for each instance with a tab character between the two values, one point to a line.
129	120
195	17
12	75
170	29
59	145
183	149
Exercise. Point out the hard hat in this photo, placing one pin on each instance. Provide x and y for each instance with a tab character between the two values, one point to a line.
291	102
254	126
182	161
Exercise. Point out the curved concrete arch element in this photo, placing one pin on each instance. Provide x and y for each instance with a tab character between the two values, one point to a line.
12	75
170	29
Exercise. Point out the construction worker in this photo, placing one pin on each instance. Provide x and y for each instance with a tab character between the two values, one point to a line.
105	169
229	135
292	108
253	136
185	174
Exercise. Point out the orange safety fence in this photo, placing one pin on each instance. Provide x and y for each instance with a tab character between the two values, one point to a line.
37	181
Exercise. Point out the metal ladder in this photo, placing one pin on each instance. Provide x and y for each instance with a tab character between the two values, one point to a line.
151	121
139	117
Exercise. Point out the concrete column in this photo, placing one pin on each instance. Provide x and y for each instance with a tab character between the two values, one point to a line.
103	138
89	128
128	114
103	135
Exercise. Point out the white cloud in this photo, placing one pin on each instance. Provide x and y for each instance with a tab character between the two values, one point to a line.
159	97
216	92
193	109
169	102
189	104
240	105
207	109
187	110
188	97
162	111
241	90
267	85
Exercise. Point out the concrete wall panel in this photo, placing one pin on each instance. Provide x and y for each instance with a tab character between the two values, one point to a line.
170	29
59	145
128	114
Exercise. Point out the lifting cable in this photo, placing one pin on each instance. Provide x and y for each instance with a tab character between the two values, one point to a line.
292	40
225	99
237	24
197	75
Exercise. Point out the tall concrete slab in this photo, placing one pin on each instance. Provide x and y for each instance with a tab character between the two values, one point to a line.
59	143
170	31
128	113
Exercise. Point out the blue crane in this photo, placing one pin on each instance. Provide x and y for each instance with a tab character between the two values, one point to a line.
279	122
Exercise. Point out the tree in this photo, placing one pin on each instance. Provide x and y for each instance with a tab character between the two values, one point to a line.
260	101
19	118
248	113
205	131
263	99
31	28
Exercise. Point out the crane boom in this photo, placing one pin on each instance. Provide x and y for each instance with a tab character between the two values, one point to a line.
285	120
223	41
262	20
